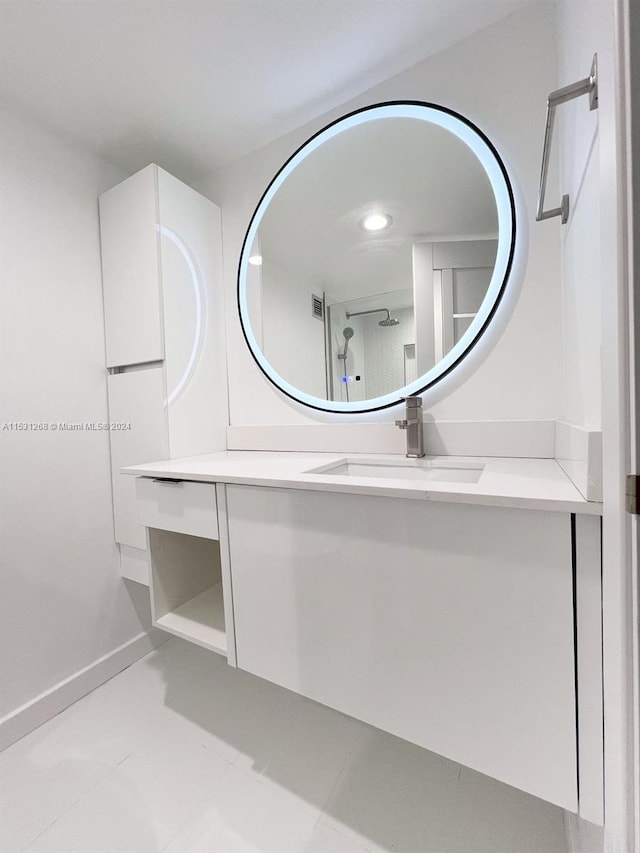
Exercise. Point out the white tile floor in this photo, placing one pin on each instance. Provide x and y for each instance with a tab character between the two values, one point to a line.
180	753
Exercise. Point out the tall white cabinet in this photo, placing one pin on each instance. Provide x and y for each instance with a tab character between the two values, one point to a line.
164	329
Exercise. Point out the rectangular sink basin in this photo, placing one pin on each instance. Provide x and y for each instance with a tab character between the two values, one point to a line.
410	470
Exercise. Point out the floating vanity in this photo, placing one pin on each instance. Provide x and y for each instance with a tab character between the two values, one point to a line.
452	602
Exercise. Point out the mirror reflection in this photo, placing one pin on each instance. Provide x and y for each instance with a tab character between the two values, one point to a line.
372	259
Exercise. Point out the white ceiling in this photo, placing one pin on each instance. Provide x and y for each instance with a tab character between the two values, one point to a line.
192	84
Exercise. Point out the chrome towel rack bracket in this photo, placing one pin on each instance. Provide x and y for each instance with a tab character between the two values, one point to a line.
588	86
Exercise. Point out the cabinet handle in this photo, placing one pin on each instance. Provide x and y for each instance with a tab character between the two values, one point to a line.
167	481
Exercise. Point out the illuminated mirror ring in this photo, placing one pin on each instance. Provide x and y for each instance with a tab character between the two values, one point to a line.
492	168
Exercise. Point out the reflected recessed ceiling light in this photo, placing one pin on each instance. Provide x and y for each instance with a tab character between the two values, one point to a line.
376	221
256	260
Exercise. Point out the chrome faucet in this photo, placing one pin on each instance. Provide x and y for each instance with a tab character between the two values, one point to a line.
413	425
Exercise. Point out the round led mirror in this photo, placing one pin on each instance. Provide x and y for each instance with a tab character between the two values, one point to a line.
377	257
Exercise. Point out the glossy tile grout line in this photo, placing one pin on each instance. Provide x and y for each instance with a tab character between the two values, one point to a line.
182	754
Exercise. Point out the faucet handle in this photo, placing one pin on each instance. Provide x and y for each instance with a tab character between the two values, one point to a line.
402	424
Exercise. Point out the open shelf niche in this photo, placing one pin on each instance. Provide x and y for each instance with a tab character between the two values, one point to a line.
186	588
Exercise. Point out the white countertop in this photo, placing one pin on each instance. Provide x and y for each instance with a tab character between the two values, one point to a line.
521	483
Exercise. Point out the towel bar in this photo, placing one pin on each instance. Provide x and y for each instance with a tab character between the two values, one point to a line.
588	86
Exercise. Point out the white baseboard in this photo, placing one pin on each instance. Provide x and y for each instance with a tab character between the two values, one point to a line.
579	454
451	438
29	716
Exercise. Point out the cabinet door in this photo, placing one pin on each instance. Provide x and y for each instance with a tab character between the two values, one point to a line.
193	307
135	398
130	271
449	625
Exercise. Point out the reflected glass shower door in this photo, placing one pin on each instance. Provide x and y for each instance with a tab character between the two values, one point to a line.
383	326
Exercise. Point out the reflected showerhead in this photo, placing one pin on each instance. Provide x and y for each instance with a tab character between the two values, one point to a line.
389	321
348	334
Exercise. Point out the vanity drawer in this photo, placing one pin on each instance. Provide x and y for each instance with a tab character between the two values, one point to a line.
178	505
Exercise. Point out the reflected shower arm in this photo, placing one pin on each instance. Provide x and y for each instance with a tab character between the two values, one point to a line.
350	314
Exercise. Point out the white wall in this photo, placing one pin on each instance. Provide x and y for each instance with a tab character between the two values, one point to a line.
500	79
293	339
580	30
63	604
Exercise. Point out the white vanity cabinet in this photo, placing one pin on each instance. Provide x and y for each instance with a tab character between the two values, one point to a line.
164	326
463	618
447	624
